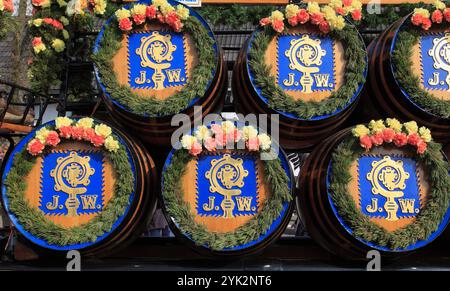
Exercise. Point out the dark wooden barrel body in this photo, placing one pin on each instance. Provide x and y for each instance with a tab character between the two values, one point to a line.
294	133
128	226
384	97
320	213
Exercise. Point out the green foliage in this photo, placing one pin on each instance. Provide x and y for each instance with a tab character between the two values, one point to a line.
7	24
180	210
355	56
427	221
195	87
35	222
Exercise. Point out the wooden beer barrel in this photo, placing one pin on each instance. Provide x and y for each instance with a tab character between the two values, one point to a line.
312	99
389	197
79	185
226	198
405	81
152	71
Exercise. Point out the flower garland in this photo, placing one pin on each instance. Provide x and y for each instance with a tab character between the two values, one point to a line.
328	17
392	131
224	134
33	220
424	18
434	163
221	136
196	86
83	129
6	10
159	10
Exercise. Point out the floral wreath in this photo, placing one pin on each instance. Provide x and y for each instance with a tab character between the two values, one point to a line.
178	19
330	20
6	10
34	221
391	133
212	139
422	19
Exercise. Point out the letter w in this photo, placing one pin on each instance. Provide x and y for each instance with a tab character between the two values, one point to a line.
89	201
243	203
407	205
173	75
322	80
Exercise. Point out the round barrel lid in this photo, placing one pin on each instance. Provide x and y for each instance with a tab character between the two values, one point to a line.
155	58
421	66
61	186
221	197
395	199
311	68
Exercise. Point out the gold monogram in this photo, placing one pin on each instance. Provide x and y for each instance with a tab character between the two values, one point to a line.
76	171
154	50
441	57
303	54
231	174
386	177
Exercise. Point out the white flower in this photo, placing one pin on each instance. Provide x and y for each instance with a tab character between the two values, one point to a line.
187	141
202	133
264	141
249	132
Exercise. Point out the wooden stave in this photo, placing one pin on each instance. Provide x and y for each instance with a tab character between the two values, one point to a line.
386	96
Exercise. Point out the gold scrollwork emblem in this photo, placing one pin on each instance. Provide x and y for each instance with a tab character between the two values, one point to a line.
304	55
76	171
230	172
388	179
441	56
154	50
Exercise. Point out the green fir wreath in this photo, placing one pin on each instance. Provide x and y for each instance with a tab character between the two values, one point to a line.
409	81
355	55
252	230
35	222
427	221
196	85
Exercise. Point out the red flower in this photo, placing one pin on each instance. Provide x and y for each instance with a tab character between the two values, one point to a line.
48	20
36	41
264	21
316	18
253	144
77	133
9	6
52	139
421	147
177	26
426	23
278	25
65	131
172	18
356	15
293	21
150	12
302	16
160	17
347	3
139	18
35	147
388	135
97	140
58	25
400	139
340	10
221	140
437	16
88	134
365	142
324	27
413	139
377	139
125	24
37	2
417	19
210	144
196	148
447	14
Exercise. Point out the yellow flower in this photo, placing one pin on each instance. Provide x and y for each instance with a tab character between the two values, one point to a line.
138	9
360	130
65	34
394	124
39	48
336	3
58	45
411	127
122	13
291	10
228	126
2	6
329	13
356	5
85	122
202	133
313	7
64	20
277	15
158	3
187	141
425	134
42	134
61	3
249	132
100	7
166	9
46	3
62	121
337	22
264	141
103	130
376	125
37	22
111	144
182	12
425	13
439	5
